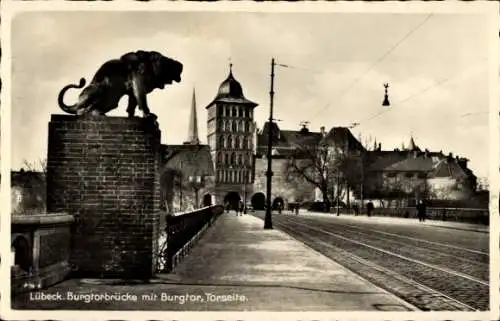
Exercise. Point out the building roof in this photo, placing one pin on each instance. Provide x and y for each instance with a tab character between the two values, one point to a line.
379	160
449	168
190	159
286	142
230	91
342	138
412	164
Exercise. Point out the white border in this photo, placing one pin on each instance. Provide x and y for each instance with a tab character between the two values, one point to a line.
490	9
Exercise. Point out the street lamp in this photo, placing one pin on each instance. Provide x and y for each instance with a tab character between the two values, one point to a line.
196	182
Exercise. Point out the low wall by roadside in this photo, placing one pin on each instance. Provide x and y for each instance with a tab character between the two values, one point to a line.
40	249
464	215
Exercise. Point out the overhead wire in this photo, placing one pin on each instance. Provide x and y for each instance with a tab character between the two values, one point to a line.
387	53
409	98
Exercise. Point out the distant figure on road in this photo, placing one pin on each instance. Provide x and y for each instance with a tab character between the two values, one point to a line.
280	207
241	207
227	207
355	207
297	206
369	208
421	211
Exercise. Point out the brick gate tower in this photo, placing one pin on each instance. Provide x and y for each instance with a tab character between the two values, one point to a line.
230	136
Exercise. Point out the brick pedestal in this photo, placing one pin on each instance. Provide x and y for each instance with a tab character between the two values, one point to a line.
104	170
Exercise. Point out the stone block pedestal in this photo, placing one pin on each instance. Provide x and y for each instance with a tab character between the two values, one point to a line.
41	245
104	170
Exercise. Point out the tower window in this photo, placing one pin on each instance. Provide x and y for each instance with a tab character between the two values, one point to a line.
233	158
240	112
237	143
228	125
240	159
234	111
226	159
221	141
229	142
244	143
235	127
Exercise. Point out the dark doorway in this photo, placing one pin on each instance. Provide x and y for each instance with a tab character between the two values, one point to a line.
277	202
207	200
258	201
232	200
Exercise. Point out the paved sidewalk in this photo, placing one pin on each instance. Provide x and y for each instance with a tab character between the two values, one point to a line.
287	274
401	220
255	269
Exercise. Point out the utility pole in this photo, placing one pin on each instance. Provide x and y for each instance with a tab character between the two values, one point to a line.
362	180
268	223
338	191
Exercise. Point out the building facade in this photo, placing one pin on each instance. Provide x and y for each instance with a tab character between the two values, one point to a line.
230	135
237	163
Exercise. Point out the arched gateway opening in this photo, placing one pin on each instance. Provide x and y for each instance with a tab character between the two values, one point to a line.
207	200
232	199
258	201
278	201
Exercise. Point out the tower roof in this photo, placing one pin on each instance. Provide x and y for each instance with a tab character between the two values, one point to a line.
193	124
412	145
230	91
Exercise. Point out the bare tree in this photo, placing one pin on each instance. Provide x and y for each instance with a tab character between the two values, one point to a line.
325	168
39	166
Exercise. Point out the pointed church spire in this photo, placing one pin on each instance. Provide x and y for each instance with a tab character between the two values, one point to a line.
412	145
193	123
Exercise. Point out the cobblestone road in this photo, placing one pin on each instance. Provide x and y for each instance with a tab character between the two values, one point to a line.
430	267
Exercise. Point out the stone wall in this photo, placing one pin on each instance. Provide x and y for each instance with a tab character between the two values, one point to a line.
290	192
104	170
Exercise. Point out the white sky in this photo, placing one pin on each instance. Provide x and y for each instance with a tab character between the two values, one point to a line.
329	50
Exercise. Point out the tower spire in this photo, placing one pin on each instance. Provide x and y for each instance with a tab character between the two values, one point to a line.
193	123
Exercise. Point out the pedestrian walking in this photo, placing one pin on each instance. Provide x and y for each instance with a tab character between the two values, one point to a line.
421	211
369	208
297	206
241	207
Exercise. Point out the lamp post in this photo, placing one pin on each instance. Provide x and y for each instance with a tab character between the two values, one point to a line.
244	196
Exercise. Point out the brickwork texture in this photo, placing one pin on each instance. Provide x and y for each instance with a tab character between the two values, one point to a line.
104	170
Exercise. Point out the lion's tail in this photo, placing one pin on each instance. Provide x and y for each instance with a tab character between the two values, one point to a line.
72	108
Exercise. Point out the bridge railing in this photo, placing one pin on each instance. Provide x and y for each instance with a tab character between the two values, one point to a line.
182	231
465	215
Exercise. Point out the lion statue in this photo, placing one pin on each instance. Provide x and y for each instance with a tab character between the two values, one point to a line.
135	74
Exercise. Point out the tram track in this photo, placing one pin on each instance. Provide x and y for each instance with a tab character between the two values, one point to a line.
401	268
474	264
